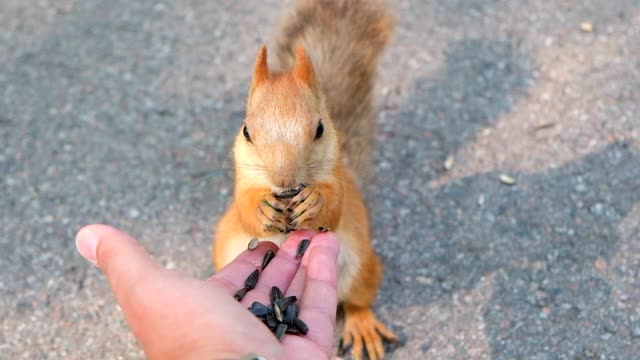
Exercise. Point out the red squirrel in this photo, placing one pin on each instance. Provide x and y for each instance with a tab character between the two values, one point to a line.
308	133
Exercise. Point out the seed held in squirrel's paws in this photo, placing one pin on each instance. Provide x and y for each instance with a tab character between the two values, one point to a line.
287	194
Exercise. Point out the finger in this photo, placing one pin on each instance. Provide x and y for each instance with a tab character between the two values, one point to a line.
319	299
281	270
378	345
120	257
370	338
296	288
356	350
164	308
233	276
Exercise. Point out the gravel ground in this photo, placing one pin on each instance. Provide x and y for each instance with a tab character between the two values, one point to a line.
123	112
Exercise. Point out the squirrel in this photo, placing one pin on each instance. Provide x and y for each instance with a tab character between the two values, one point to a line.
304	149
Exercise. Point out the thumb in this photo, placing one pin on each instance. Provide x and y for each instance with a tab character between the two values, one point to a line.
121	258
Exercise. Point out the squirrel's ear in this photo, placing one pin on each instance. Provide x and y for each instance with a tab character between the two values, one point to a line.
261	69
304	69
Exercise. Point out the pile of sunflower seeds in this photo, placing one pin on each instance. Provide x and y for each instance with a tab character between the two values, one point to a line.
281	315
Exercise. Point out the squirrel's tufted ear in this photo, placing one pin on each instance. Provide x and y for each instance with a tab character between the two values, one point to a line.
303	70
260	70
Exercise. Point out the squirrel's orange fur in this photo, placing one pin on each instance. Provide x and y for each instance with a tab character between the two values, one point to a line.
328	53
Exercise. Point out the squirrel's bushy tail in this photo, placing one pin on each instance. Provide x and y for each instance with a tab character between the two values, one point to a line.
344	39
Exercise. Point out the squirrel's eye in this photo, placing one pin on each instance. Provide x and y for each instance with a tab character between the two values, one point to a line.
245	132
319	130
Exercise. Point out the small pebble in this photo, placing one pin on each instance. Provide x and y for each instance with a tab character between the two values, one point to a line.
545	311
586	26
449	162
134	213
253	243
581	187
507	180
597	209
601	264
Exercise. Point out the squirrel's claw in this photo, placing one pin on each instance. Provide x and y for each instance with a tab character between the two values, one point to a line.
362	330
273	215
304	207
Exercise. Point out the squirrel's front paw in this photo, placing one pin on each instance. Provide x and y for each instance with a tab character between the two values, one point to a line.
304	207
273	214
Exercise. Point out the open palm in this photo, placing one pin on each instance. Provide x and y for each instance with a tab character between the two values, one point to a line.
176	316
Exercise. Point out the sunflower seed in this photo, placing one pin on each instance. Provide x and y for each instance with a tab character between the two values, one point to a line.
293	330
276	294
301	326
281	330
252	280
259	310
278	312
253	243
284	302
507	180
239	295
268	256
287	194
291	313
302	247
323	229
271	322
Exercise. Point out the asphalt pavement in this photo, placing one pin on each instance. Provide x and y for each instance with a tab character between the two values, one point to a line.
526	245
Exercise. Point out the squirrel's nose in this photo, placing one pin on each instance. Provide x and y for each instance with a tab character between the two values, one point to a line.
283	164
284	181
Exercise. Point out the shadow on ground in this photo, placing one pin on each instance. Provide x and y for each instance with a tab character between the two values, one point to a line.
540	238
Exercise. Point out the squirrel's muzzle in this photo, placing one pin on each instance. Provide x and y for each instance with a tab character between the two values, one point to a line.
283	167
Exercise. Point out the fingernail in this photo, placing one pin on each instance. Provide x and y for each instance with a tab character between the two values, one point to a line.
87	243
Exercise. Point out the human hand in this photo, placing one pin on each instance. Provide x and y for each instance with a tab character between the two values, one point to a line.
176	316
